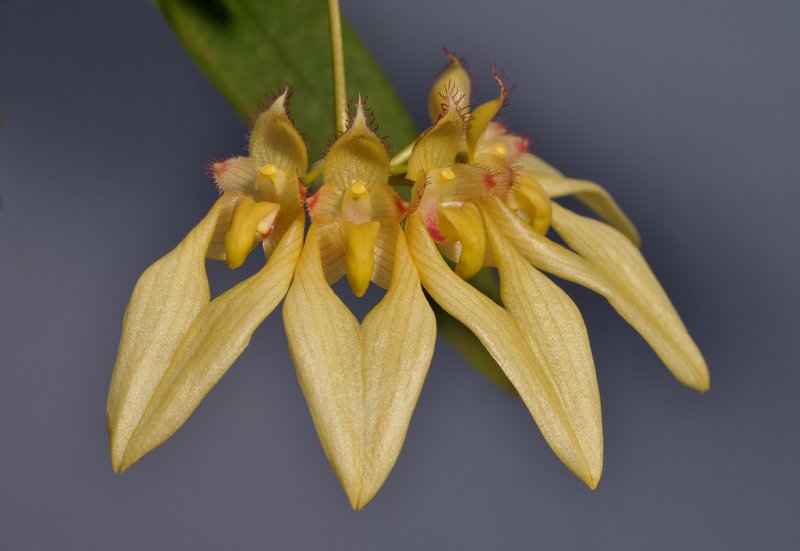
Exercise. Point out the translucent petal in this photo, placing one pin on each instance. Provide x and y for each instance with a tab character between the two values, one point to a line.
501	334
275	140
236	174
650	310
165	301
331	250
437	147
358	155
453	81
218	335
361	385
557	336
481	116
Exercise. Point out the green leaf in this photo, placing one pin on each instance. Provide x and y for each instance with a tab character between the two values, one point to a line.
249	48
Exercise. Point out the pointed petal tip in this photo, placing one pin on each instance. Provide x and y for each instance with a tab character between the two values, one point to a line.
702	385
591	477
361	501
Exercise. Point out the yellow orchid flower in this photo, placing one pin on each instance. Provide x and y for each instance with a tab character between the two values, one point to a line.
479	199
176	344
361	381
482	199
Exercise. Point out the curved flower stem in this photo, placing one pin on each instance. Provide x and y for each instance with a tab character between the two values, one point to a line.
337	60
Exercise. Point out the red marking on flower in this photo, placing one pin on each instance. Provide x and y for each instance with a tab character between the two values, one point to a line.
401	205
522	145
312	202
265	235
489	181
220	168
302	190
432	224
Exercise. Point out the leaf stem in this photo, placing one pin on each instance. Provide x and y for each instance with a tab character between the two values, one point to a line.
337	60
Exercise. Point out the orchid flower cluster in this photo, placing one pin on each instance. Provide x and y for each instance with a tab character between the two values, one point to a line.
479	199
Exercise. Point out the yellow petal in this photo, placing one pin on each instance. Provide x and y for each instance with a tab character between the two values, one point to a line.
218	335
650	311
399	336
359	247
437	147
536	166
250	223
325	342
453	81
361	385
165	301
385	254
331	249
666	335
557	336
227	202
236	174
275	140
463	224
482	115
358	155
594	197
501	335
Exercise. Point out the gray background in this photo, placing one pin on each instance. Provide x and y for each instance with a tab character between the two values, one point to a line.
686	111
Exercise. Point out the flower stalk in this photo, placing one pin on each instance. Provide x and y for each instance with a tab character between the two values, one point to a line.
337	62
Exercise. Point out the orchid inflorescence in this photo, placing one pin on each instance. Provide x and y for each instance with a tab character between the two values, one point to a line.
479	199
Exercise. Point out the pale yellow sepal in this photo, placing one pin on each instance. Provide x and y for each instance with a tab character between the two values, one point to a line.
438	146
597	199
463	223
361	383
591	194
481	116
501	335
556	335
359	253
251	222
536	166
668	339
453	81
218	335
615	257
165	301
274	139
358	155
